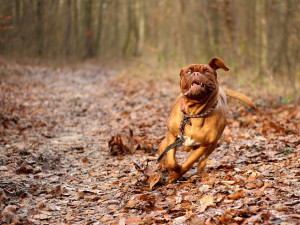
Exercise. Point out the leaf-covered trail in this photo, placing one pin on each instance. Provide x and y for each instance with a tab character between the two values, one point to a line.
56	168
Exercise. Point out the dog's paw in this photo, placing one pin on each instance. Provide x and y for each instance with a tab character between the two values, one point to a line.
201	167
161	167
173	176
201	170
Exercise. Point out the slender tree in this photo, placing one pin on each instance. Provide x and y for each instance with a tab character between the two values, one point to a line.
40	27
89	51
99	28
66	42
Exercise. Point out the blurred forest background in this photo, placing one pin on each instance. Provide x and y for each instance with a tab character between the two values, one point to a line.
86	87
259	38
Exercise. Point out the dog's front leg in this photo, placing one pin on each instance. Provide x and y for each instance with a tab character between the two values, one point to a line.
169	161
191	159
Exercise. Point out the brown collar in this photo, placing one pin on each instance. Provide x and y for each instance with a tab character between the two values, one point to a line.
186	117
182	108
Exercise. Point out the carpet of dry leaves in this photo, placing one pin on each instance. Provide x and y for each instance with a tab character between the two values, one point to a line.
77	146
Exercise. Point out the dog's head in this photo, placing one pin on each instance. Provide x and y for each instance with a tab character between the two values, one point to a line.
199	81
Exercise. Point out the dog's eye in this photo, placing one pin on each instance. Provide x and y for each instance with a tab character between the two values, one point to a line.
207	72
188	72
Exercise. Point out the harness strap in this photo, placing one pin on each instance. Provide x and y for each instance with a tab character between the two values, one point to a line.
178	142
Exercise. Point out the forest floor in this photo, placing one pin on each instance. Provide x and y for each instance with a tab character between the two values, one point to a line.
56	166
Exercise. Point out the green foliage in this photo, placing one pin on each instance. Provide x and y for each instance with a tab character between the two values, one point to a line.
242	120
287	150
286	100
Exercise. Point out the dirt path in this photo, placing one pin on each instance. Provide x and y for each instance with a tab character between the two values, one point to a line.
56	168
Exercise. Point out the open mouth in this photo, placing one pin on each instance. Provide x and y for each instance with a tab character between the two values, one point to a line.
195	84
195	88
198	87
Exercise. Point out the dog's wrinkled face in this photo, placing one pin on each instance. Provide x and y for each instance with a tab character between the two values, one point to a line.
199	81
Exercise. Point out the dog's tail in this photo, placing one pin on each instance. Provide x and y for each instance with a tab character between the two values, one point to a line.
240	96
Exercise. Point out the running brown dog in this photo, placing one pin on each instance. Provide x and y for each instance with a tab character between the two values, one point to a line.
197	118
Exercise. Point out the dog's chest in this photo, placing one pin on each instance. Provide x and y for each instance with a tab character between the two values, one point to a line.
189	142
192	134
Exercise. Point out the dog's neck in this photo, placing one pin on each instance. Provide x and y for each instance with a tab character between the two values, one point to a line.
194	107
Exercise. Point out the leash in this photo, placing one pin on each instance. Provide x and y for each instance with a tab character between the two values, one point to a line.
184	121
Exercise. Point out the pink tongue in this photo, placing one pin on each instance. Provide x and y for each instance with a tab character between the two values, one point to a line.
194	84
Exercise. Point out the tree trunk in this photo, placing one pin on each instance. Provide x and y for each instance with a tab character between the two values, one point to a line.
115	44
211	40
39	28
75	27
290	59
88	33
99	28
130	19
140	27
18	11
66	42
261	35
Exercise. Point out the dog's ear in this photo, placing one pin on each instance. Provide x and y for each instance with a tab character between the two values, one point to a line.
181	73
217	63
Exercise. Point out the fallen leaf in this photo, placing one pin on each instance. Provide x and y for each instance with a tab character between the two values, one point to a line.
58	190
40	216
254	209
41	205
85	160
280	207
133	202
15	220
250	185
205	201
236	195
25	169
225	218
295	216
252	177
120	144
195	220
227	182
133	221
261	190
204	188
3	168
